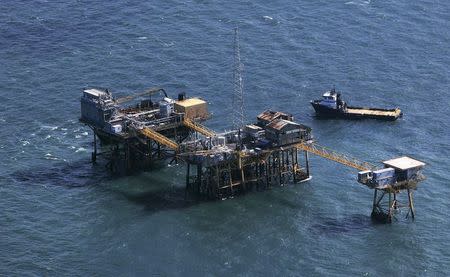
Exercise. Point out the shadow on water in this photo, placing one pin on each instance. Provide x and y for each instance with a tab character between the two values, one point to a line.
350	224
79	173
159	195
162	200
83	174
172	198
75	174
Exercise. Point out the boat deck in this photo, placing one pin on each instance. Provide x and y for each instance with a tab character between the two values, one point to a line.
375	112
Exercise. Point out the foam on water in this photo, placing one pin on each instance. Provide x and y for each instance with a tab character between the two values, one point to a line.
81	149
361	2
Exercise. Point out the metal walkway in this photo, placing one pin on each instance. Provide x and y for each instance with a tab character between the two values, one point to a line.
198	128
334	156
151	134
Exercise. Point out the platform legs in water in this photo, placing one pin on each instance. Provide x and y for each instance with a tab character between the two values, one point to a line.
246	173
386	205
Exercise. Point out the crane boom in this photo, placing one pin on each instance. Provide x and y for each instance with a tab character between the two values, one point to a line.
149	91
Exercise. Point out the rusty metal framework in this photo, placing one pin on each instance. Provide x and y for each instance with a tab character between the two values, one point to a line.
240	172
387	206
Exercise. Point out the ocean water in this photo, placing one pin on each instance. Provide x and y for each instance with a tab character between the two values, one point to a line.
60	215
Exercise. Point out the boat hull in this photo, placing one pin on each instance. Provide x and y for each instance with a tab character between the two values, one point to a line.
326	112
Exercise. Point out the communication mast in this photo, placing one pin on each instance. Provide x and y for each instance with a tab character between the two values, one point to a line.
238	97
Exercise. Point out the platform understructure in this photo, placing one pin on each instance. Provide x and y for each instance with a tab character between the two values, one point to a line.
217	175
140	147
395	200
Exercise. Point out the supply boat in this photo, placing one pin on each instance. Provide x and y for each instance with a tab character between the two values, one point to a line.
332	106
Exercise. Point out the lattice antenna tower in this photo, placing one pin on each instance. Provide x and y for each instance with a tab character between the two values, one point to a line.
238	97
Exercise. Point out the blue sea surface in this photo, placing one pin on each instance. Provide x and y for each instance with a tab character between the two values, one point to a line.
62	216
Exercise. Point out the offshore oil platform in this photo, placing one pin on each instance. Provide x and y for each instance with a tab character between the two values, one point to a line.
271	151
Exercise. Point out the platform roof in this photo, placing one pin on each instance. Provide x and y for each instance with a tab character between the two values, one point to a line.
329	93
269	115
253	127
190	102
404	163
95	92
279	124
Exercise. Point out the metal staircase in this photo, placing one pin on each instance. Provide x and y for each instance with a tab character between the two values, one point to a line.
198	128
151	134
